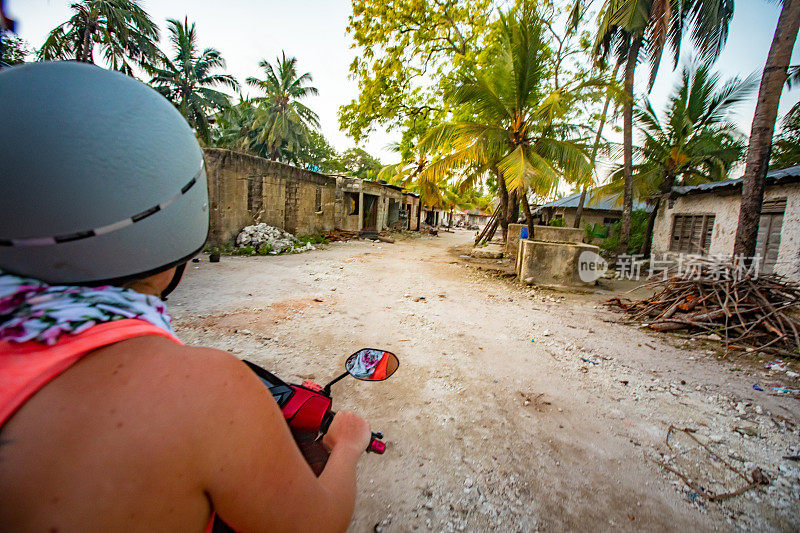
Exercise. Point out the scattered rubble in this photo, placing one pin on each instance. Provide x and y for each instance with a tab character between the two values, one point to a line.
270	239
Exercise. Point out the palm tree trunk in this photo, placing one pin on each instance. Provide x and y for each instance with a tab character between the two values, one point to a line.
666	188
648	236
627	146
595	147
513	207
769	95
579	211
501	183
85	53
528	215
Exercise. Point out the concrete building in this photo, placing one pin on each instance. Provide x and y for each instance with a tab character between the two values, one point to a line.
245	189
363	205
433	217
409	212
598	208
476	217
703	220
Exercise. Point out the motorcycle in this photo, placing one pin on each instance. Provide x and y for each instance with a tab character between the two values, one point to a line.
307	407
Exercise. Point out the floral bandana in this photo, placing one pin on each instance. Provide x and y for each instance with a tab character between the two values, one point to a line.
33	310
363	365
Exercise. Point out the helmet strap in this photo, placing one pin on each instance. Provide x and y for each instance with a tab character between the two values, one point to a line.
176	278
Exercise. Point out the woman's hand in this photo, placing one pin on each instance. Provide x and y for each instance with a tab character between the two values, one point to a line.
348	430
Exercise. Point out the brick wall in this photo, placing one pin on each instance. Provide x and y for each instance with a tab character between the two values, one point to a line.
288	196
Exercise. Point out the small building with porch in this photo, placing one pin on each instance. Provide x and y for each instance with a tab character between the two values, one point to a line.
363	205
409	211
702	220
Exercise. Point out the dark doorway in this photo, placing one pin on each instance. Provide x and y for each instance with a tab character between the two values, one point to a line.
432	218
370	212
393	215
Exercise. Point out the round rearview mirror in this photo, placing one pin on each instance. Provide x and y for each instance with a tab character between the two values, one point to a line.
370	364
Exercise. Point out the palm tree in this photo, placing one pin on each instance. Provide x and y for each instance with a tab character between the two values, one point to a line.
626	26
696	141
763	128
596	146
186	80
452	198
786	145
511	126
233	128
282	120
122	29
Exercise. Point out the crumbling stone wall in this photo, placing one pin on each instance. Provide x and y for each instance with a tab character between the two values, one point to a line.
245	189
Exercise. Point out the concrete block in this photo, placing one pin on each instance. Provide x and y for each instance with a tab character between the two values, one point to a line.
512	238
550	263
555	234
489	252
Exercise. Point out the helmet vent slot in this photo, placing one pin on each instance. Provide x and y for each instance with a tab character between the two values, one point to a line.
78	235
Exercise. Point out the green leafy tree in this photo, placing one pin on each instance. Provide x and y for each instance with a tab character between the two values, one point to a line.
507	122
282	120
695	142
357	162
122	30
413	161
453	197
596	145
187	79
15	50
406	52
318	155
629	28
786	146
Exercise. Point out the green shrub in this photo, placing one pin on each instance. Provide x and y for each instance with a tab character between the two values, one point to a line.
313	239
557	222
639	220
596	231
244	250
264	249
225	249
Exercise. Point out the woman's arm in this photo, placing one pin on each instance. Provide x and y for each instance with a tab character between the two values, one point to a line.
251	468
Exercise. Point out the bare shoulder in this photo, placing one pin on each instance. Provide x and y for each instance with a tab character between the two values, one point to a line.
181	377
146	409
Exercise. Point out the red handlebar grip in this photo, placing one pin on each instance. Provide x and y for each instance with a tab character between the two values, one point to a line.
376	446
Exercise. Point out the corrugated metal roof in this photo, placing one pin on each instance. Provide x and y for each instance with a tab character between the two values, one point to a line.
774	177
595	200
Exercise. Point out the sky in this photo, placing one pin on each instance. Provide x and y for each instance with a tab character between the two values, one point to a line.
314	31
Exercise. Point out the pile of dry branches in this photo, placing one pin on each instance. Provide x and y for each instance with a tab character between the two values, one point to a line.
713	297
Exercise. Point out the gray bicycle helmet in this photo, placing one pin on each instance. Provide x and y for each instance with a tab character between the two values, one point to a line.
102	179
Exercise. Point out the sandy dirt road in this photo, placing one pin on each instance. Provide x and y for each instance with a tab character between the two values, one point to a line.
512	410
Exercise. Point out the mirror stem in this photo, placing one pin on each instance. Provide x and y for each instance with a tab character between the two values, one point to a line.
327	388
